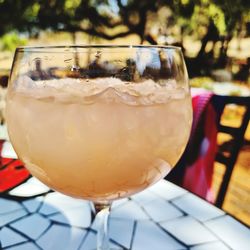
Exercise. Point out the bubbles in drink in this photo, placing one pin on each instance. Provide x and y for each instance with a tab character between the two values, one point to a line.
102	89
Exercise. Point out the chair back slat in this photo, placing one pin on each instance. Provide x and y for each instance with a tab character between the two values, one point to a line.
237	133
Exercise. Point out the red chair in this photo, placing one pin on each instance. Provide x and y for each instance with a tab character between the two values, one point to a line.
194	171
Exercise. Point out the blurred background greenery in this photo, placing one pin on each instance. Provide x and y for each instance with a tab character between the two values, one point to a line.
214	34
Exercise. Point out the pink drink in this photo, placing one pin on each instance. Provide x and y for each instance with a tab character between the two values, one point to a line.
95	141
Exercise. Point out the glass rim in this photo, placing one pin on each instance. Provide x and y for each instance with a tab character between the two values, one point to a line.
50	48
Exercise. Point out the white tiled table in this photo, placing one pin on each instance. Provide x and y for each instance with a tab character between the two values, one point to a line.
160	218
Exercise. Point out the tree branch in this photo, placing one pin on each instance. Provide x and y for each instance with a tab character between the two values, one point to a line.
112	24
150	39
124	12
94	32
92	14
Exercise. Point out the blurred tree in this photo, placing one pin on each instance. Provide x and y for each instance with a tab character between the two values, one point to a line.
17	15
10	41
105	19
154	21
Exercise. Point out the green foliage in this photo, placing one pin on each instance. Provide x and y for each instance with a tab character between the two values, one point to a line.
11	40
235	11
70	6
218	17
101	18
31	12
201	16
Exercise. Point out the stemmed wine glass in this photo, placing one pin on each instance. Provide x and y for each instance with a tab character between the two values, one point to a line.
99	122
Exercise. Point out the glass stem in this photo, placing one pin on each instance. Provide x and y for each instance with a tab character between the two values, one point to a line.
102	213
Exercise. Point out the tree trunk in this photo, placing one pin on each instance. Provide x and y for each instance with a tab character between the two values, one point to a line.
222	59
76	55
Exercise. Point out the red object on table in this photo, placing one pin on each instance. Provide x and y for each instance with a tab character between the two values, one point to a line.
12	172
202	147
